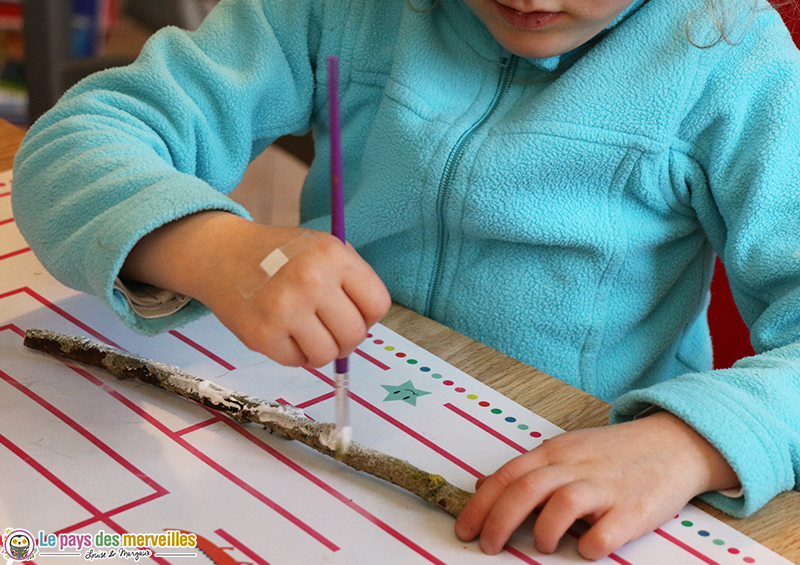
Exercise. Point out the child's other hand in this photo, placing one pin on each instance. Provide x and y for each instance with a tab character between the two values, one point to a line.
625	480
316	308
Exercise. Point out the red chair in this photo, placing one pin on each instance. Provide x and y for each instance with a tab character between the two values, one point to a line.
729	335
791	15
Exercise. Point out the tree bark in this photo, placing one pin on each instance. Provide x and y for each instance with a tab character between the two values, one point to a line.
286	420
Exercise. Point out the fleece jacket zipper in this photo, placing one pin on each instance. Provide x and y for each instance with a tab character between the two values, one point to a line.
508	68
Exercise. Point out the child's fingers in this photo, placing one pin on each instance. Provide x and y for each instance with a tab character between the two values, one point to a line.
608	534
344	321
366	290
283	349
516	503
318	344
627	520
492	488
566	505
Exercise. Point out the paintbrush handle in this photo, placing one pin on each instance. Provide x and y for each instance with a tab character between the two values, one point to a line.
343	428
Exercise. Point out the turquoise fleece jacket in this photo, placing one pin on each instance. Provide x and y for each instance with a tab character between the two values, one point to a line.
565	211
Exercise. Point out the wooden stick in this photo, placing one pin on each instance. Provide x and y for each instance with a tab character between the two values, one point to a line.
286	420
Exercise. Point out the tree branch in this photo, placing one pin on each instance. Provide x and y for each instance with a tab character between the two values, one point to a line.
286	420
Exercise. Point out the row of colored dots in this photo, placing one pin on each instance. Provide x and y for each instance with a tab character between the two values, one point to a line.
716	541
447	382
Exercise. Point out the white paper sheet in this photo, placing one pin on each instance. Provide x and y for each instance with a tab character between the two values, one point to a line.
84	453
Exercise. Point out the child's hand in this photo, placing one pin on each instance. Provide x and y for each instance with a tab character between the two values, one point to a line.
626	480
316	308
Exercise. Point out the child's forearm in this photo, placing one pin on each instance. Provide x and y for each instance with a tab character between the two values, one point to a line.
316	308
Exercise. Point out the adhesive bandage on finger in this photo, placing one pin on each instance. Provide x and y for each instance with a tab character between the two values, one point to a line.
272	263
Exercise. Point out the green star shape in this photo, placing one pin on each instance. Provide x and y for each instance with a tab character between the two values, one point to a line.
405	392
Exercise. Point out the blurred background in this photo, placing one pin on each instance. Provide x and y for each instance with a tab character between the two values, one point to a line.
48	45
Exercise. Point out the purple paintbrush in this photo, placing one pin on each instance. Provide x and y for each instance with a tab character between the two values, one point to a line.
344	431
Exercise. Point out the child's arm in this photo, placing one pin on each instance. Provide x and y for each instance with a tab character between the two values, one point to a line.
316	308
657	465
134	148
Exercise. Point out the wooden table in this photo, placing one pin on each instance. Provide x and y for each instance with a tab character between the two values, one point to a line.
776	526
10	138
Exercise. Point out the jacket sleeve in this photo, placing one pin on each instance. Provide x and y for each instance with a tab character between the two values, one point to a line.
745	133
130	149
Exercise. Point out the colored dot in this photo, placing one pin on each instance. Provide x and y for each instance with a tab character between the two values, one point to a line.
389	348
425	369
483	403
687	523
719	542
496	411
412	361
447	383
378	342
523	426
436	376
461	389
703	533
749	560
536	434
400	354
369	336
733	551
472	396
511	419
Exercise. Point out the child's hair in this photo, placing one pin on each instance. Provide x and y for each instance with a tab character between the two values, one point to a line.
728	19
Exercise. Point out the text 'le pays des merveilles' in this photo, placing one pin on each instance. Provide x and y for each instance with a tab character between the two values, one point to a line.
169	538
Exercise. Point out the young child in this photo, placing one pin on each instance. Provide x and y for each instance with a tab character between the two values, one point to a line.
550	177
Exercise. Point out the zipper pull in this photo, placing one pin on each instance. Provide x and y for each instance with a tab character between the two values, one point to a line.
505	61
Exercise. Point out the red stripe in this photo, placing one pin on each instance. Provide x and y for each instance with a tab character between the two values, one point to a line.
42	300
240	546
199	425
316	400
89	507
686	547
127	465
425	441
4	222
14	253
486	428
17	330
220	469
203	350
102	516
372	360
336	494
518	554
618	559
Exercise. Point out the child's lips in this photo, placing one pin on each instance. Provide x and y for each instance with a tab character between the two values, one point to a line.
527	20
